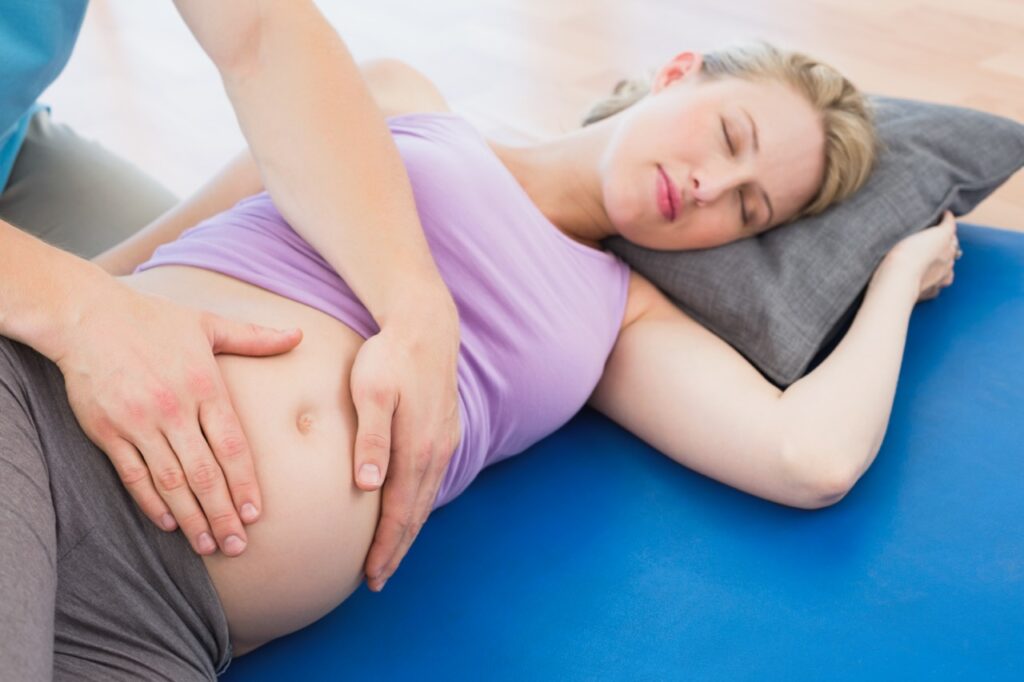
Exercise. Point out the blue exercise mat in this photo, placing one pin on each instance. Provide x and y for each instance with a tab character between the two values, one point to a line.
593	556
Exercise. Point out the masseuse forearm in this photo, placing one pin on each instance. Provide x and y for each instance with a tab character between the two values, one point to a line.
837	415
41	290
325	152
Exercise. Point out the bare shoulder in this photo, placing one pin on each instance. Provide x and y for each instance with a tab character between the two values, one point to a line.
644	299
398	88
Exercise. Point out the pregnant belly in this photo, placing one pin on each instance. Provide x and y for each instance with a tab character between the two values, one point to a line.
305	554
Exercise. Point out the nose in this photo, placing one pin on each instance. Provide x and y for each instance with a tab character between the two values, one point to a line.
708	184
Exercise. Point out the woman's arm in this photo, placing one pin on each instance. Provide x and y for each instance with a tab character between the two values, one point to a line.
239	179
689	394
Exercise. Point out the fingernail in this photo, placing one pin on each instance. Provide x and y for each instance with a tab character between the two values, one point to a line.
369	474
233	544
249	512
206	543
167	522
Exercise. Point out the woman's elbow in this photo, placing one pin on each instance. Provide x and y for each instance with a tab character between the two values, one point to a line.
821	480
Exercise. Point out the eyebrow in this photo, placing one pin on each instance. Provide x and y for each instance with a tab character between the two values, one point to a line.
757	148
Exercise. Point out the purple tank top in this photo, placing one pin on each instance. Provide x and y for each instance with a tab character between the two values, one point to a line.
539	312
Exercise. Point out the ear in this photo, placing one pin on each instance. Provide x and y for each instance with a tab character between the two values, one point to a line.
684	66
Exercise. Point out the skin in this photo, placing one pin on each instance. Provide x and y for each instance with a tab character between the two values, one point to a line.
141	373
600	165
600	180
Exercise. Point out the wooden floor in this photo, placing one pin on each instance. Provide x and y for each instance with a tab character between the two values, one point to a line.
525	69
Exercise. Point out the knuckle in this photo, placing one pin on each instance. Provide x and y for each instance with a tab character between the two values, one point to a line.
222	518
373	441
204	477
231	445
377	395
194	521
134	411
200	384
100	428
132	475
422	460
170	479
397	522
408	520
166	401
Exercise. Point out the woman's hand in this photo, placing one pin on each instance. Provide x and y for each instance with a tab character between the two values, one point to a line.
928	255
405	390
145	387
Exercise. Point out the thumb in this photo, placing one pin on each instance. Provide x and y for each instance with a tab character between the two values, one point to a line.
241	338
373	443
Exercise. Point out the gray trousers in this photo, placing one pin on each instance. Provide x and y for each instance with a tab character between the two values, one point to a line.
74	194
90	589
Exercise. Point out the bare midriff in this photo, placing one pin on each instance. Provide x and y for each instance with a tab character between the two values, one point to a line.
306	552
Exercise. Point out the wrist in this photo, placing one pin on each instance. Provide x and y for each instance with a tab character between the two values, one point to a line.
896	279
89	287
419	305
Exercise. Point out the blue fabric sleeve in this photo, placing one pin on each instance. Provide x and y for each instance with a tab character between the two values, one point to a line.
36	39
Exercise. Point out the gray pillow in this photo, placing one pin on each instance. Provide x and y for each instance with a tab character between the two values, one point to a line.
782	297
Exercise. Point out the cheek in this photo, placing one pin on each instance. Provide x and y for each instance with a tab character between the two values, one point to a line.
704	232
619	198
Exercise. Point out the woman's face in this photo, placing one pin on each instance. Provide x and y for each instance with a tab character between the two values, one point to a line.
731	148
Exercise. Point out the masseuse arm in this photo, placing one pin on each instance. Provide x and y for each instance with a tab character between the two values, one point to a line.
397	89
328	160
689	394
141	379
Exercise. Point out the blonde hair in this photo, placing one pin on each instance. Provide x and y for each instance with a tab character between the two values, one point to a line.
851	143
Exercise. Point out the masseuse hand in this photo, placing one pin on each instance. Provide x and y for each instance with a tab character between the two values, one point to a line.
145	387
405	392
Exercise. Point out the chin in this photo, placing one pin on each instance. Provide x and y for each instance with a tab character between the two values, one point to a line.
651	239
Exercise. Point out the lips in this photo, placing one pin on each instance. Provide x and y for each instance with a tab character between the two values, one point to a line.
665	195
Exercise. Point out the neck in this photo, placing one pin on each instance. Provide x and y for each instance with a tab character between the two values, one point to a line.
562	177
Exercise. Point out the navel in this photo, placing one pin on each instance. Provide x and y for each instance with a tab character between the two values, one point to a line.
304	422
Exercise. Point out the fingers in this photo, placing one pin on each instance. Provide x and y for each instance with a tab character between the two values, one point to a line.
228	336
427	493
172	484
207	475
134	475
398	507
947	219
375	409
231	449
390	531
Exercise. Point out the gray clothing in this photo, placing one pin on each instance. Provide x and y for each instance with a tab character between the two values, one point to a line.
74	194
90	588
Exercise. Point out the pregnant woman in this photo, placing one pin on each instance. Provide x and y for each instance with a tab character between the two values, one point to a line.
722	147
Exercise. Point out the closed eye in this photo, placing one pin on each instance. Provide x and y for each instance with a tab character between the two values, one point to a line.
725	134
732	151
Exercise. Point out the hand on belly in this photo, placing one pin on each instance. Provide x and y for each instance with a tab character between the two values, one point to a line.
307	550
306	553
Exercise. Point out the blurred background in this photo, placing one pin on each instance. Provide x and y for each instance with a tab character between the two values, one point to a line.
523	70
